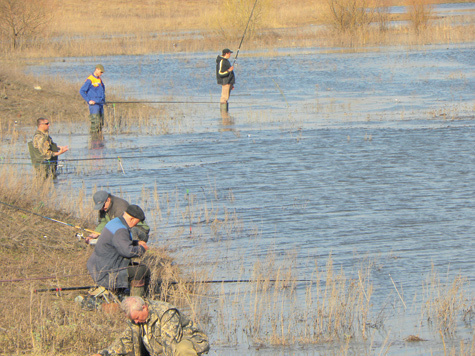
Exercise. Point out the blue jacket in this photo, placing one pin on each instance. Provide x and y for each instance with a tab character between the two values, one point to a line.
94	89
112	254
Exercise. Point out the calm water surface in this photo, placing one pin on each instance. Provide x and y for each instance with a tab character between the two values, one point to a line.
357	155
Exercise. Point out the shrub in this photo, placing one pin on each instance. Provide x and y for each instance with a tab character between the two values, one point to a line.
419	12
21	20
349	16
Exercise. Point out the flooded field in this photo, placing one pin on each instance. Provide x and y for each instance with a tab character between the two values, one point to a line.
358	159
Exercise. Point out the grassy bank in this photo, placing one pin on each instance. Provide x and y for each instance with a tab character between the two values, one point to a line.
120	27
37	252
25	98
276	310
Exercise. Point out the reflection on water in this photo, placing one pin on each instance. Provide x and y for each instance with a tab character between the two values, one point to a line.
96	141
359	155
307	88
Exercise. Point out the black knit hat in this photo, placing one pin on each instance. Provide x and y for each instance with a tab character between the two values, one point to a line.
136	212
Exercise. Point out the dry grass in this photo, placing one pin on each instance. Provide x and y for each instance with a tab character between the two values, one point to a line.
39	253
275	309
120	27
26	98
22	103
280	309
446	305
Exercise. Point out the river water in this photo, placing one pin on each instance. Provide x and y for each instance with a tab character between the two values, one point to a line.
365	155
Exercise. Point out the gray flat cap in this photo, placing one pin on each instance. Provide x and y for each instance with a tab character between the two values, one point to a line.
100	198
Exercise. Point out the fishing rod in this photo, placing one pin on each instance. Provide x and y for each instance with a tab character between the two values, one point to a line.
56	276
245	30
122	157
47	218
166	101
160	102
59	289
239	281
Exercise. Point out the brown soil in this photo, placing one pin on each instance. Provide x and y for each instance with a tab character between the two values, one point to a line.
25	98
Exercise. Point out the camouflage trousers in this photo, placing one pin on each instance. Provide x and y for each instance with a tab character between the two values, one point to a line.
97	123
185	348
47	169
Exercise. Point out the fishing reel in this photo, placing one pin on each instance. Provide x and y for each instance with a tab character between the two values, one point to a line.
79	236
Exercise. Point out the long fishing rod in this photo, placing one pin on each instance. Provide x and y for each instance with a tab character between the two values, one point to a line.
160	102
59	289
246	281
245	30
47	218
123	157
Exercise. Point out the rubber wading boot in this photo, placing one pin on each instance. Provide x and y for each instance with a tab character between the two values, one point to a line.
96	123
137	288
223	107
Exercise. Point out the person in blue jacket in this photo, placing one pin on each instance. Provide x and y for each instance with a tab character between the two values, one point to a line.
110	265
94	93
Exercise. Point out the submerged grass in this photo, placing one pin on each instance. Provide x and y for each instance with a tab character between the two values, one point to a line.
277	308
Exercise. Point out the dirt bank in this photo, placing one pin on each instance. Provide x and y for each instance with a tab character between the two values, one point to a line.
37	253
25	98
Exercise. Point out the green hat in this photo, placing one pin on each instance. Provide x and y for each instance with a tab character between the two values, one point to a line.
100	67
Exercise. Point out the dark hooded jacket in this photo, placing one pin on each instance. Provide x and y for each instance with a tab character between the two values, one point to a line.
222	75
117	208
112	255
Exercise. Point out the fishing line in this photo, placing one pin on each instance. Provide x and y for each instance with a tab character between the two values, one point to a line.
189	208
170	101
245	30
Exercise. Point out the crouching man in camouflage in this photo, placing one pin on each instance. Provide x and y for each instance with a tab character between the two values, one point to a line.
156	328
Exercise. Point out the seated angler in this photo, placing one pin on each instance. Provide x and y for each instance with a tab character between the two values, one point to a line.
111	265
110	207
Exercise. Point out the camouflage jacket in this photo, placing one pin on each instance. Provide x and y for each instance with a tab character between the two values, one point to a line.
159	335
43	142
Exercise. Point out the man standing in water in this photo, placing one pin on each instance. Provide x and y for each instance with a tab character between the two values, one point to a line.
44	152
94	93
225	77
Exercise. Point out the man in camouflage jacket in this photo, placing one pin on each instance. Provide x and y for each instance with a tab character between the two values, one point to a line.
44	152
157	328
